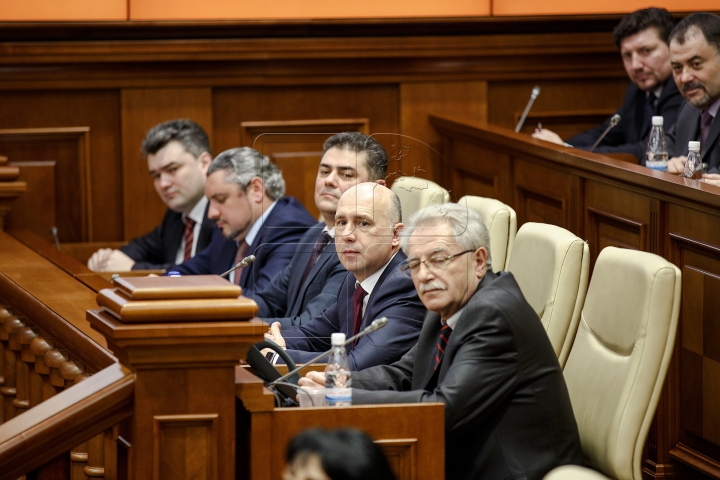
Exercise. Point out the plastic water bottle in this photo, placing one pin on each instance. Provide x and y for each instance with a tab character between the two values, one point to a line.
693	165
657	157
338	377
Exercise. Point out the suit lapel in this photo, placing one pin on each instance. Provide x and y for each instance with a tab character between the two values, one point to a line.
369	315
173	237
303	259
712	136
425	358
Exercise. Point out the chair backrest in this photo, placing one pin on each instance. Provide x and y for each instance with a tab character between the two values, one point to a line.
574	472
551	266
621	354
501	222
416	193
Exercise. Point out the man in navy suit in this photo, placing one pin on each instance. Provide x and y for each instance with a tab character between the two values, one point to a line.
367	240
246	193
482	352
642	38
695	56
311	281
178	156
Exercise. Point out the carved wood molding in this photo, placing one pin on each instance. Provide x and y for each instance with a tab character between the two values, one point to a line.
10	188
701	247
696	459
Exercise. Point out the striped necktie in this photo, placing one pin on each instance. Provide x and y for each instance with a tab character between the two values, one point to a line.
188	237
443	340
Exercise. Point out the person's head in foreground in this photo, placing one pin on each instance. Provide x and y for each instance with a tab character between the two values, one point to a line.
344	454
448	250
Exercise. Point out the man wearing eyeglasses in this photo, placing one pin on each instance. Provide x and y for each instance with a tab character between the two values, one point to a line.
482	352
367	241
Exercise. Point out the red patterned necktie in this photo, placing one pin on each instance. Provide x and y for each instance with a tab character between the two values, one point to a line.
188	237
241	253
445	333
705	122
357	308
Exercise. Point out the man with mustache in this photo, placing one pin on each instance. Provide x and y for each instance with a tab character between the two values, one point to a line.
311	281
642	38
482	352
695	58
367	240
253	217
178	155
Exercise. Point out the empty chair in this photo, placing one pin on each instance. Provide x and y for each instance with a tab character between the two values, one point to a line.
416	193
501	222
620	356
551	266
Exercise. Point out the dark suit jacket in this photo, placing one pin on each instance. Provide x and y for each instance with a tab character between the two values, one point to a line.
273	248
626	136
687	129
507	409
292	303
394	297
158	249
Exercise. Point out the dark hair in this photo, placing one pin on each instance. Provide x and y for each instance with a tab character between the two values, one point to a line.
345	454
706	23
188	133
375	156
243	164
636	22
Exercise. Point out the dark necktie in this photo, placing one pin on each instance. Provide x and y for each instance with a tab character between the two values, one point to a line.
188	237
241	252
357	309
320	245
705	121
648	113
443	339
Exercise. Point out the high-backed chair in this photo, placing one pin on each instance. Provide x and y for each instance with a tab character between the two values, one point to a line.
620	356
416	193
551	266
501	222
573	472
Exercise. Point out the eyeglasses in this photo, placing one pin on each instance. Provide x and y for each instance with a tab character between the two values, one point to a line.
435	263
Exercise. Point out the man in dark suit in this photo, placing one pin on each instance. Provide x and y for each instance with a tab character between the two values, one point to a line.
482	352
311	281
642	38
367	228
695	57
246	193
178	156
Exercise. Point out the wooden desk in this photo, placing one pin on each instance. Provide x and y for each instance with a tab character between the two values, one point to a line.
610	202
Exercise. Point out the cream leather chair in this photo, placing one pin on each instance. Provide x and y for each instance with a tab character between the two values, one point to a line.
416	193
573	472
621	354
501	222
551	266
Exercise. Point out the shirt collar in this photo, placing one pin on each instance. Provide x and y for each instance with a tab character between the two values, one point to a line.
454	318
197	214
657	92
252	233
369	283
330	231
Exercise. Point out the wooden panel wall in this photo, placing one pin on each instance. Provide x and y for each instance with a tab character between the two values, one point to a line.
124	80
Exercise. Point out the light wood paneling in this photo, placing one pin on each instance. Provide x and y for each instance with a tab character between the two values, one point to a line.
67	10
141	109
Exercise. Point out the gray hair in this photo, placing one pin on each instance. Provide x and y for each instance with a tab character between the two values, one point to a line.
247	163
467	226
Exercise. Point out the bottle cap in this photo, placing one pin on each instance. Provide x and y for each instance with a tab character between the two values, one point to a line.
695	146
337	338
657	121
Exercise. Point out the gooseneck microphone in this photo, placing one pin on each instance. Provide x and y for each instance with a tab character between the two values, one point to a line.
533	96
614	120
242	263
375	325
54	232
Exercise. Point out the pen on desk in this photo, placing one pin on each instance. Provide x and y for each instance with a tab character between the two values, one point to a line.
539	127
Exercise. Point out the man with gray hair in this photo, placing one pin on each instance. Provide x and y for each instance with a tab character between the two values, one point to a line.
482	352
246	193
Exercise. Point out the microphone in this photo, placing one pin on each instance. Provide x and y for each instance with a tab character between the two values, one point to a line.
614	120
377	324
533	96
242	263
54	232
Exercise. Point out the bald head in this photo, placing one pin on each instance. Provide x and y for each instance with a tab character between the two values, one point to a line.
367	227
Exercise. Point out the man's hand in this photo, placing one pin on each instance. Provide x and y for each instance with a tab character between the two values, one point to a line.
676	165
109	260
548	136
313	379
275	335
711	178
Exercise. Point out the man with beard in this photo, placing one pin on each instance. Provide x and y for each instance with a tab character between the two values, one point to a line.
695	59
246	193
